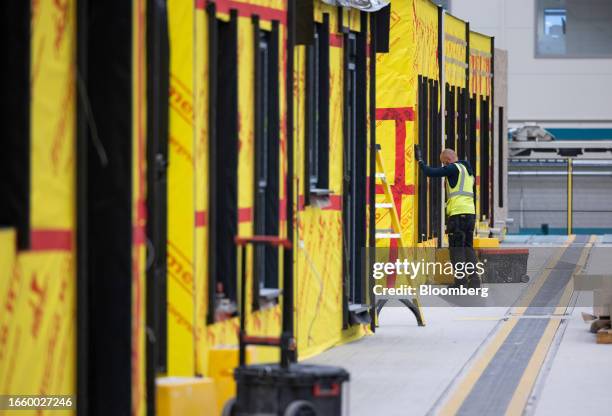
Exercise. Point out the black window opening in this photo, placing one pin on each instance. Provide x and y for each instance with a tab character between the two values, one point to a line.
472	133
500	152
355	167
492	155
450	119
452	116
158	80
15	155
431	158
223	166
484	159
266	173
423	133
434	152
105	195
317	113
462	120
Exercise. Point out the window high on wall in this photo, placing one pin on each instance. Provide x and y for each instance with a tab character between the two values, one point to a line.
573	29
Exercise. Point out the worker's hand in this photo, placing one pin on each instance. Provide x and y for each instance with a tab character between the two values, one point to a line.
417	153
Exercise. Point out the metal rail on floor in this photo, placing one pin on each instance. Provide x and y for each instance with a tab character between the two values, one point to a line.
519	346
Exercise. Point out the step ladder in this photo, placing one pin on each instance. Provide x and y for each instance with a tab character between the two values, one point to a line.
393	233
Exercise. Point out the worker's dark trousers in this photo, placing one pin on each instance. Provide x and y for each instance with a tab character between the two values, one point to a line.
460	230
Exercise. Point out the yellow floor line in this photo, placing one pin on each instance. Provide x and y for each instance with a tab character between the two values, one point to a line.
535	288
527	381
569	288
465	386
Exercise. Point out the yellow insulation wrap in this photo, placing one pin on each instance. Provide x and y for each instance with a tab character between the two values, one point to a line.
200	170
480	64
455	44
413	51
319	231
181	210
37	287
266	321
318	256
480	86
425	21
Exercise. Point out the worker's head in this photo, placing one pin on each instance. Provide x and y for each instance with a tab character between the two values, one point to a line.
448	156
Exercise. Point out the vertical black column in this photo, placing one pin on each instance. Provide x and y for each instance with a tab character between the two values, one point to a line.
467	131
424	129
288	328
431	191
461	120
452	119
448	142
107	94
158	80
484	156
361	162
501	156
347	183
492	132
372	161
15	119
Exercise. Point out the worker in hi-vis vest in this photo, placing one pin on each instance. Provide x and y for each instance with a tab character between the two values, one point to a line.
460	208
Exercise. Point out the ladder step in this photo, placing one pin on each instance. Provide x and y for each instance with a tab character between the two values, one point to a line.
388	236
385	230
383	205
379	175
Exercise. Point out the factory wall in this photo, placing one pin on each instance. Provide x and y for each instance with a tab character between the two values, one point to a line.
554	92
500	145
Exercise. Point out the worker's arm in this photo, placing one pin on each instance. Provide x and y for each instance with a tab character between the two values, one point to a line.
441	172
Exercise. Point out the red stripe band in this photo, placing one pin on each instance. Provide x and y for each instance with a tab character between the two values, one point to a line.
397	114
51	240
201	219
336	40
247	10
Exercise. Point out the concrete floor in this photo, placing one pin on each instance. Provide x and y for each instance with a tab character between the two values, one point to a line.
407	370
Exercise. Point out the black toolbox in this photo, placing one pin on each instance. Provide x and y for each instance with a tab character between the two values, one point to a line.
286	388
301	389
504	265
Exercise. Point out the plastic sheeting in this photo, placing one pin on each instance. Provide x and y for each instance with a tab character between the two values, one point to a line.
37	323
413	52
318	251
455	44
181	207
480	85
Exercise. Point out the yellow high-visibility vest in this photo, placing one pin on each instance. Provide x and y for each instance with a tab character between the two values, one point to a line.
460	198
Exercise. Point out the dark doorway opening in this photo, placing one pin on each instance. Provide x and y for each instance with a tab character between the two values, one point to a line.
354	185
104	208
223	165
267	160
501	156
158	85
15	113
